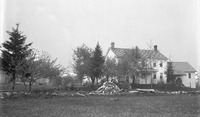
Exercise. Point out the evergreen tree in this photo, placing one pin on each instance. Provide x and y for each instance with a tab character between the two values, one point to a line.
169	72
14	50
97	63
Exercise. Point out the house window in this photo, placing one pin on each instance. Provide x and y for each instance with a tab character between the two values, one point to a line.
154	76
189	75
154	64
161	75
161	64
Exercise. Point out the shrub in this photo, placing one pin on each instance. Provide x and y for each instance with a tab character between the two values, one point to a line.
68	82
123	85
65	83
57	82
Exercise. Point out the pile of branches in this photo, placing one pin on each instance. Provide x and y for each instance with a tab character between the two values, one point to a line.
108	88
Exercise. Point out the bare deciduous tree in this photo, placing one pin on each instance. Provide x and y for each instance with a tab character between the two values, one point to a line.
37	66
82	59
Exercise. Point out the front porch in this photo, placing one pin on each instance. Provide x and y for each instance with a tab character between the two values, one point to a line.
145	77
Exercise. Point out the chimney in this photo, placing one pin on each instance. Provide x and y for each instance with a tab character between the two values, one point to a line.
155	48
112	45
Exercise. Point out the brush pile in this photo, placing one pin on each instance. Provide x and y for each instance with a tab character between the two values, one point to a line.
108	88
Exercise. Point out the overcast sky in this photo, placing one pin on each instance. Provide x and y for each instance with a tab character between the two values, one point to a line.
59	26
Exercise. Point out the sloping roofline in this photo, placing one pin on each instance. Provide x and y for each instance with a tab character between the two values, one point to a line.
120	52
182	67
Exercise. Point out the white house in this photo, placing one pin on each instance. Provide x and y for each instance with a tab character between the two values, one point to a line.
157	63
4	78
185	72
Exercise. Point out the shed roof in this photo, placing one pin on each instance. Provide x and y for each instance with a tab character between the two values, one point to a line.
182	67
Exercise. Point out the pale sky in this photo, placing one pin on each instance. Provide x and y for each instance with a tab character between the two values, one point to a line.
59	26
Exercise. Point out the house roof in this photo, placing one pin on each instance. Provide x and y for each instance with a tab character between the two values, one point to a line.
182	67
120	52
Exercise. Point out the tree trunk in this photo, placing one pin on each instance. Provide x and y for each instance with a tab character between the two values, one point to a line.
151	85
133	77
97	81
13	85
24	82
93	81
25	87
30	85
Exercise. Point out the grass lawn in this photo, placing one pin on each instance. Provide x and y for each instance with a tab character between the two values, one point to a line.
104	106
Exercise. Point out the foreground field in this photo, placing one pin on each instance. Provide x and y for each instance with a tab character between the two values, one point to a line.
103	106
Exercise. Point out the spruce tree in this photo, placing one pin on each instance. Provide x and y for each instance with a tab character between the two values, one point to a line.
170	72
97	63
14	50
